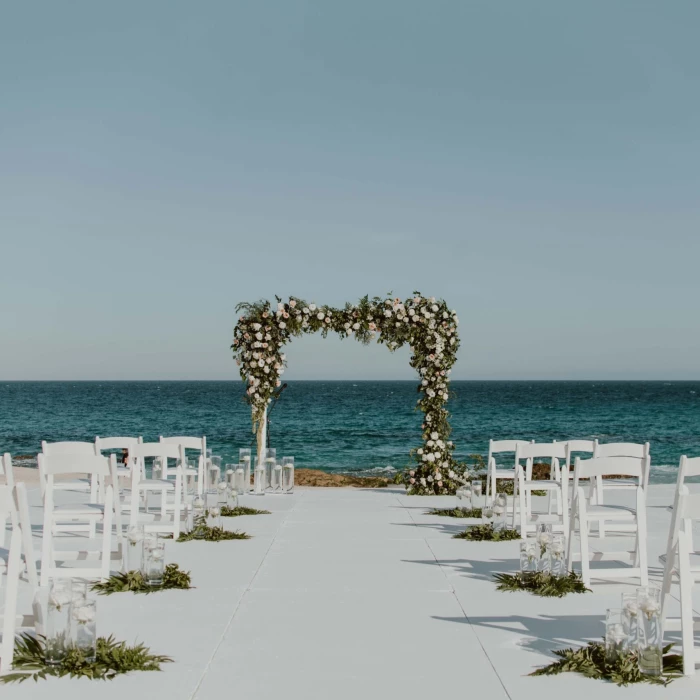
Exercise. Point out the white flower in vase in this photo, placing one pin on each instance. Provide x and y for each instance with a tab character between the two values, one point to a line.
59	598
84	614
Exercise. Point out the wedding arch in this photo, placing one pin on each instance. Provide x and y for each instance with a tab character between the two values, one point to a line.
425	324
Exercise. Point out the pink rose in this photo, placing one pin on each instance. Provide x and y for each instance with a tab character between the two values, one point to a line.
440	483
264	314
292	303
412	481
411	473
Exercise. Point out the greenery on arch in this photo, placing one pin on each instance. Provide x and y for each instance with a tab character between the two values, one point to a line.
426	324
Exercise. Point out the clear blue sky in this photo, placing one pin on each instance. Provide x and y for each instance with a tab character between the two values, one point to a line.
537	164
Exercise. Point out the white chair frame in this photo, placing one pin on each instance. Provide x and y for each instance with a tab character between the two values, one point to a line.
584	513
191	443
76	517
556	484
493	473
64	449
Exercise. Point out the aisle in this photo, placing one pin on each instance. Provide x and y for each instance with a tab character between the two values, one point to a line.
348	593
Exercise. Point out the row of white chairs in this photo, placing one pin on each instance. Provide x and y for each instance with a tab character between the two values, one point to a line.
107	496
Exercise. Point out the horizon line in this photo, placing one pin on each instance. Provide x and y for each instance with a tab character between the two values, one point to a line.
492	379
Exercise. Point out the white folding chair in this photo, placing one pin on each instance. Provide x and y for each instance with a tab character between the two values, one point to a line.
634	518
13	505
494	473
65	449
618	449
557	484
6	470
76	517
140	484
191	443
682	565
109	444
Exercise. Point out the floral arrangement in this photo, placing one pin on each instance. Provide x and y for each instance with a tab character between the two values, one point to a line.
425	324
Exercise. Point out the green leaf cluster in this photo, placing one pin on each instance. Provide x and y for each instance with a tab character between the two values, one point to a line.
486	533
173	577
456	512
212	534
541	583
112	659
227	512
590	661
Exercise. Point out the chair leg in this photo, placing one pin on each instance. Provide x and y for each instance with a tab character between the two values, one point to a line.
687	636
642	538
522	496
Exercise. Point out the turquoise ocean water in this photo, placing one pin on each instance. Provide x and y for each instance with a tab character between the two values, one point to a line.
357	426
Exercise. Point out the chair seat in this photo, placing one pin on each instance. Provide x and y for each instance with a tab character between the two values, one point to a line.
543	484
504	473
72	485
156	484
611	512
609	484
78	509
694	563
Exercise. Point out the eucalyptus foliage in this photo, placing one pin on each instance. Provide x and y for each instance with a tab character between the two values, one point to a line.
590	661
456	512
227	512
112	659
486	533
426	325
173	577
541	583
212	534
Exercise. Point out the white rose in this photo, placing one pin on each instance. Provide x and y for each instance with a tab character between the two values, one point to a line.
431	457
253	363
266	369
430	443
420	450
422	481
319	315
434	307
312	307
356	326
256	326
261	363
305	310
434	435
283	324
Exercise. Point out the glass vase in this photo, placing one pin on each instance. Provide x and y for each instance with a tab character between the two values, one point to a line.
487	513
557	554
630	611
230	476
84	619
153	560
259	478
222	493
467	496
649	633
214	518
287	474
615	636
232	501
500	510
244	463
134	548
270	463
529	556
476	493
58	620
199	517
544	540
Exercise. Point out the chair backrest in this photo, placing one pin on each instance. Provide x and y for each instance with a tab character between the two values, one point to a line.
189	443
581	445
533	450
6	469
688	467
622	449
155	449
116	443
67	448
632	467
73	464
497	446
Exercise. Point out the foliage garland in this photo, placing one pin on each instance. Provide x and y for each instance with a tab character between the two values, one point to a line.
486	533
426	324
590	661
541	583
173	577
112	659
456	512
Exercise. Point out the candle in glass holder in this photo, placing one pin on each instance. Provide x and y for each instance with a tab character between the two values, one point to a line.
287	474
244	462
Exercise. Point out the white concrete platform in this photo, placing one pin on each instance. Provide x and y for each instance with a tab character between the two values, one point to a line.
346	593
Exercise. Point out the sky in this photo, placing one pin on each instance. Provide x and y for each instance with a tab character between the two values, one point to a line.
537	165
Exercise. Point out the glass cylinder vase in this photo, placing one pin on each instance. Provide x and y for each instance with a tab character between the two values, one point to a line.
557	553
221	493
630	611
476	493
649	633
244	463
84	625
214	518
199	517
615	636
153	565
232	501
287	474
544	540
213	473
270	463
58	620
529	556
134	548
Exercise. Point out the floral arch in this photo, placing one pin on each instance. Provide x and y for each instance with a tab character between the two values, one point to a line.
427	325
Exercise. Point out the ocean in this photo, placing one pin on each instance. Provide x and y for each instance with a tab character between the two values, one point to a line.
357	426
